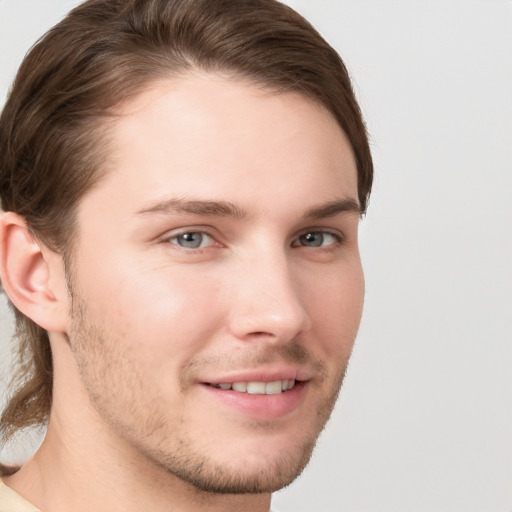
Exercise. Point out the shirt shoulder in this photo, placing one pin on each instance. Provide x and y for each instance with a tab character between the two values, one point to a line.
11	501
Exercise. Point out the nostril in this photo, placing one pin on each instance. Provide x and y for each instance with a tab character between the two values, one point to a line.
261	334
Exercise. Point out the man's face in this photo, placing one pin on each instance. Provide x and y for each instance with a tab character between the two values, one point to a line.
217	264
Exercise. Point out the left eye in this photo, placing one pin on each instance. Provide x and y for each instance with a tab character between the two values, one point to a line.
192	240
316	239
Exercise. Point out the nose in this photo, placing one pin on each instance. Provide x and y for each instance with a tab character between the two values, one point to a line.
268	301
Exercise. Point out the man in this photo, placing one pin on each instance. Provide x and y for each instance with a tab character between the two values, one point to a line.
181	185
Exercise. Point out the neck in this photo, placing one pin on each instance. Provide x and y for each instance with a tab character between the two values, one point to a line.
61	477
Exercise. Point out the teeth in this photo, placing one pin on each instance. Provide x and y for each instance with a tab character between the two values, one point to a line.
239	386
273	388
258	388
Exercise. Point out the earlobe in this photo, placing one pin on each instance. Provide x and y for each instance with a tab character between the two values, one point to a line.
30	275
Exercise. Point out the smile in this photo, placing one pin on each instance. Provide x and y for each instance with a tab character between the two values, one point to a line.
257	388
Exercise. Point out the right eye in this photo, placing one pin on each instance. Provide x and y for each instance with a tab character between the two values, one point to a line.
192	240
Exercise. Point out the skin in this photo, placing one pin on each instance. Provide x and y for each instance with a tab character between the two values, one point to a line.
150	319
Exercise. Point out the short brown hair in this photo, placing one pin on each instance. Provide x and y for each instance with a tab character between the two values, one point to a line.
106	51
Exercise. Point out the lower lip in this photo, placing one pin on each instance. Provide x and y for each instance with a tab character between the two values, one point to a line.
260	407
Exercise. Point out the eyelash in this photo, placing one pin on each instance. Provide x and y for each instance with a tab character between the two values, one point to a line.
337	238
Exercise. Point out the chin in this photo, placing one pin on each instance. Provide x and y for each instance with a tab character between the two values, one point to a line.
254	473
246	477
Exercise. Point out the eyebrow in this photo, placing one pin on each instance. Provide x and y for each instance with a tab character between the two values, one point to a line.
227	209
195	207
333	208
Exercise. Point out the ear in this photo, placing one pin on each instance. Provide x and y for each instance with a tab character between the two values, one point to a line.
32	275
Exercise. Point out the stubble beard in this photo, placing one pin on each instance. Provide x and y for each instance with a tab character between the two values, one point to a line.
116	388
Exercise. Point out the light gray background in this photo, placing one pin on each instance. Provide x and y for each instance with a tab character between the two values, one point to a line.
425	419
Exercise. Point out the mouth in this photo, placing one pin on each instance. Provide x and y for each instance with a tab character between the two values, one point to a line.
261	400
256	387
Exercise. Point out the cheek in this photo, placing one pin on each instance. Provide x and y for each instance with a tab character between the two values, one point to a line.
161	310
336	307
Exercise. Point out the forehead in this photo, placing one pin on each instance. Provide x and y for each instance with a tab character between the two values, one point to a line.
207	135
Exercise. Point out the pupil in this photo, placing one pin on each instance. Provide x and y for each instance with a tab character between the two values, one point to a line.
191	240
313	239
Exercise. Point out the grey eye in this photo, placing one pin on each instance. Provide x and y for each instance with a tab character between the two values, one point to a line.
312	239
316	239
192	240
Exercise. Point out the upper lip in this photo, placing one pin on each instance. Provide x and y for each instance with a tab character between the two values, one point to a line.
261	375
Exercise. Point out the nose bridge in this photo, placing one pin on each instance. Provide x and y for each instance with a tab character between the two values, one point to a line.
268	300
